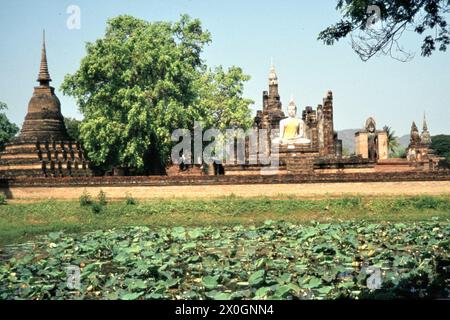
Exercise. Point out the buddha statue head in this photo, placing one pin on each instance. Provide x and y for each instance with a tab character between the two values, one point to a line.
371	125
292	109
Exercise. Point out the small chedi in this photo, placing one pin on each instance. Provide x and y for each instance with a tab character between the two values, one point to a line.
419	151
43	147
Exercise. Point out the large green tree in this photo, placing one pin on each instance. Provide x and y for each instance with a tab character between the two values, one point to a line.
393	18
7	129
143	80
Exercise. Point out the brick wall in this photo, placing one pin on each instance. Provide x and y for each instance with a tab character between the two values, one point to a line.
226	180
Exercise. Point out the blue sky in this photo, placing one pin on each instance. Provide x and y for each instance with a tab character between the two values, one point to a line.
245	33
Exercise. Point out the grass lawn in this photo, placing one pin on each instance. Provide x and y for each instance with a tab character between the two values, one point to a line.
23	221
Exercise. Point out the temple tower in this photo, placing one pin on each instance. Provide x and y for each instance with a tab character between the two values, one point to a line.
44	120
425	137
272	112
329	146
414	135
273	97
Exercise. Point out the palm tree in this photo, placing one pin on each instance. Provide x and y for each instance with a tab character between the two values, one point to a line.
392	139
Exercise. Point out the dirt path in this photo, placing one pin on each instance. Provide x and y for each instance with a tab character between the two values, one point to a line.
318	190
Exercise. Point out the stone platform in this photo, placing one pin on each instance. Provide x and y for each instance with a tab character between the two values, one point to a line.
303	159
298	158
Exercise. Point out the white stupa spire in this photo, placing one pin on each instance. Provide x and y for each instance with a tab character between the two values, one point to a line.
273	78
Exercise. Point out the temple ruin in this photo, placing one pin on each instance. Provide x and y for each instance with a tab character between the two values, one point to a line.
321	150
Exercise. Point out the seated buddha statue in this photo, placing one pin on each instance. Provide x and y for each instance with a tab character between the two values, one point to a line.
292	130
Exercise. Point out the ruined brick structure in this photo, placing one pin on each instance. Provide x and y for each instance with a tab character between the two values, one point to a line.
321	127
323	155
419	151
324	150
43	147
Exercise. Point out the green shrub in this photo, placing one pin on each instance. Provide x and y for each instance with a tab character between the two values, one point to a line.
85	199
348	202
2	199
130	201
102	198
417	203
96	207
427	202
397	204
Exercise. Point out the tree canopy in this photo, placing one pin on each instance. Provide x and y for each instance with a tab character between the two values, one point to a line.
73	128
441	145
220	103
393	17
143	80
7	129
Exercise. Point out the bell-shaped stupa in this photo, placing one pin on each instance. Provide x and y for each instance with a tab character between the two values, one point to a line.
44	121
43	147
